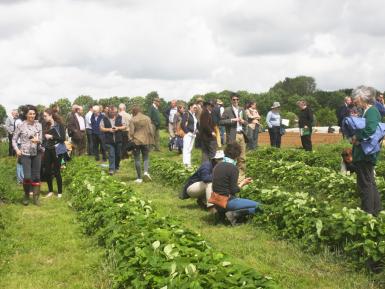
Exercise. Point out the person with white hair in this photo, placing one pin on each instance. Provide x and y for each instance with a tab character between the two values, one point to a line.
10	126
126	119
97	135
364	97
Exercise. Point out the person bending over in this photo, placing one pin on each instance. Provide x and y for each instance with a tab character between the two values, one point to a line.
199	185
225	184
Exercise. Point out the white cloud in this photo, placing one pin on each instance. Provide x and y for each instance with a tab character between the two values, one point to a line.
62	48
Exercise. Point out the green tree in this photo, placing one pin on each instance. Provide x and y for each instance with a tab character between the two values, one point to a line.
301	85
64	105
85	101
326	117
3	114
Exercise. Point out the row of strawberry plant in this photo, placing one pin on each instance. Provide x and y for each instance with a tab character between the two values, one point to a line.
300	215
147	250
8	187
319	224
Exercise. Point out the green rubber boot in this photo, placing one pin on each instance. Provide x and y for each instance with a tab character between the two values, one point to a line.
26	187
36	194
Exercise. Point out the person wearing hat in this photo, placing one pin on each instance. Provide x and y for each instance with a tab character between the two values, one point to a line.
233	118
154	115
199	185
273	120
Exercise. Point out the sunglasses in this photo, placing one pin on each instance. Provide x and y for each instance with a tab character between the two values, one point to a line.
235	99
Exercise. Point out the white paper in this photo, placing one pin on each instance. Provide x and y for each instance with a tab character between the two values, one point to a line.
285	122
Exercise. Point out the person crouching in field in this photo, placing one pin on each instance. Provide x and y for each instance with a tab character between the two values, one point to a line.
225	188
199	185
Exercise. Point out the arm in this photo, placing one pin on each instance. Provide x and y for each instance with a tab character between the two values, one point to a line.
226	118
103	129
184	122
268	117
207	174
234	174
15	137
131	129
370	127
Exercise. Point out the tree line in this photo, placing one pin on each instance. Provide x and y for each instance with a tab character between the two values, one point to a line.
287	92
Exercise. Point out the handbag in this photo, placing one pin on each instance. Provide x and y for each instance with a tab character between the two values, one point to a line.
219	200
130	145
60	148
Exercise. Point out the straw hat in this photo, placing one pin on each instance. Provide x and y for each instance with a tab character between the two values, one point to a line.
276	104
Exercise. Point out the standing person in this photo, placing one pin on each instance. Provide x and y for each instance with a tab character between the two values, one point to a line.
97	135
273	120
179	133
379	103
171	115
155	120
77	130
141	133
126	120
216	116
10	125
207	133
112	126
305	123
199	104
54	134
233	119
190	127
364	97
19	166
253	118
30	134
87	119
344	110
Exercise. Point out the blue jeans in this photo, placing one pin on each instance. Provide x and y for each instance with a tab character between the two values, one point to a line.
238	204
114	151
252	134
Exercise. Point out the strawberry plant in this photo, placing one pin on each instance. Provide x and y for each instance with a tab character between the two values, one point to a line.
147	250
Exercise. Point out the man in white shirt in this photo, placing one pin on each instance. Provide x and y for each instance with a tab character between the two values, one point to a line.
171	124
87	119
233	119
126	117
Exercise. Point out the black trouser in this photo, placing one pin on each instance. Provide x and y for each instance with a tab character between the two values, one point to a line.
209	148
306	142
124	153
11	151
90	147
52	168
98	141
370	197
275	136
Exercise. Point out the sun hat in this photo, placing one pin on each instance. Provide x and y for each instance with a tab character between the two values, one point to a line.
219	155
219	101
276	104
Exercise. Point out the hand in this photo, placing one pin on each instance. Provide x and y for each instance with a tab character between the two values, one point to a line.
18	152
245	182
305	126
35	140
235	119
112	129
48	136
241	121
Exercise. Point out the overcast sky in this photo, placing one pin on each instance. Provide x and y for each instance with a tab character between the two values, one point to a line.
64	48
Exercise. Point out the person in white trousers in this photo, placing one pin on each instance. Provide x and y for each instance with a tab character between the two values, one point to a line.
189	125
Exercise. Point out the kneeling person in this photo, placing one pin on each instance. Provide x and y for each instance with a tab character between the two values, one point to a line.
199	184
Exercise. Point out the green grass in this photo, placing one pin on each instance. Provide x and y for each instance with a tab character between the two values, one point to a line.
45	248
247	244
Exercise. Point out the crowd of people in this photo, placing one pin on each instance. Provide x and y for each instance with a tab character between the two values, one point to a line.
222	134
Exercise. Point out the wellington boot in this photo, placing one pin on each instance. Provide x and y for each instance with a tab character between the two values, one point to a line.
26	194
36	195
237	217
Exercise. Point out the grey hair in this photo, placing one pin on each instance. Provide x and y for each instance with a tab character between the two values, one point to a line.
366	93
122	106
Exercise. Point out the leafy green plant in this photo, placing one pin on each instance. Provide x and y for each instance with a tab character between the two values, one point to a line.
148	251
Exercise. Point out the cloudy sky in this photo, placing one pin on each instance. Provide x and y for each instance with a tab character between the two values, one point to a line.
64	48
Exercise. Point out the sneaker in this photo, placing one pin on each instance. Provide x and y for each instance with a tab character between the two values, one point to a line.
138	181
147	177
111	172
50	194
59	195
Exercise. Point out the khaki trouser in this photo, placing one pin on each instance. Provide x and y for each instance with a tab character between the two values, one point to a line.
198	190
218	136
241	161
171	130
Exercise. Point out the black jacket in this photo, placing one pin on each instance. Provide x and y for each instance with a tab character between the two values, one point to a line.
109	136
305	118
